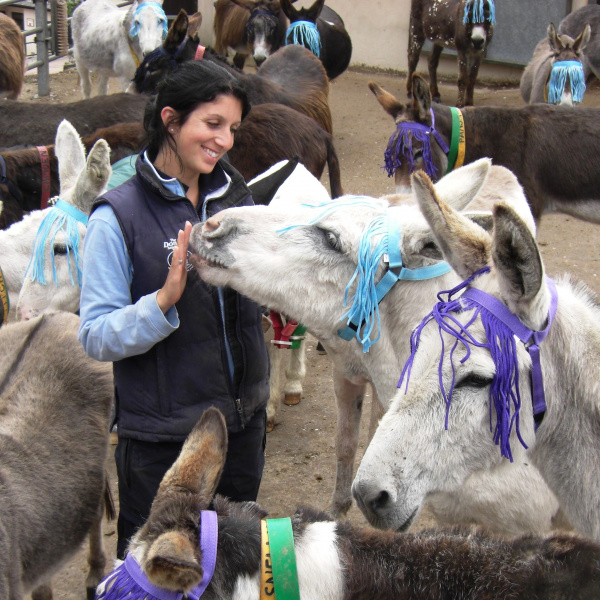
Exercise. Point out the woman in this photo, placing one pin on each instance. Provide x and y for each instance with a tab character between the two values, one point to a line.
177	344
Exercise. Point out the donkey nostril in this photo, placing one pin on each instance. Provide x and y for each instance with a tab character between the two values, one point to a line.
380	501
211	225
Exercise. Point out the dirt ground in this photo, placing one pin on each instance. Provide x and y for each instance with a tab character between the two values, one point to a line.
300	464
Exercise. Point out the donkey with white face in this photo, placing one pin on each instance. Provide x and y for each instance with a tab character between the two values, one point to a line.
252	250
471	385
205	546
113	41
41	255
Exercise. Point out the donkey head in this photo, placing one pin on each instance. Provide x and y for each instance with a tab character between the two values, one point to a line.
567	79
478	21
53	276
147	25
413	146
437	430
179	45
265	28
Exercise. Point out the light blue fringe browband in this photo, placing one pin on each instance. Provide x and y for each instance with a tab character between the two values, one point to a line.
61	217
478	11
305	33
572	69
134	31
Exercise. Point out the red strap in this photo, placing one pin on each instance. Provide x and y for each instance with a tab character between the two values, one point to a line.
199	52
45	165
281	335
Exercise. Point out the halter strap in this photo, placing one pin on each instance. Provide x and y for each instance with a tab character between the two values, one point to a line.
396	270
45	166
199	52
531	339
288	336
278	541
208	542
72	211
4	300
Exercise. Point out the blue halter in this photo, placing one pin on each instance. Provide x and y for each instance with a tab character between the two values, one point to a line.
572	69
134	31
304	33
62	216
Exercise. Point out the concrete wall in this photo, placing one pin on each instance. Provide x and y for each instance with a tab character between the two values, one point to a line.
379	32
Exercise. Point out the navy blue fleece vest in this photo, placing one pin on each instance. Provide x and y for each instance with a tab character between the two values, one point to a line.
162	393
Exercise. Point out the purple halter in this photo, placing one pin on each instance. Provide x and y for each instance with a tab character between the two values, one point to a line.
501	326
401	144
129	582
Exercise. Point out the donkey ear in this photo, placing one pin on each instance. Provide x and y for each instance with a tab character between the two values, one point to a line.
459	188
388	102
194	23
177	32
200	463
93	179
517	259
421	98
265	185
582	39
290	12
463	243
70	153
315	10
555	42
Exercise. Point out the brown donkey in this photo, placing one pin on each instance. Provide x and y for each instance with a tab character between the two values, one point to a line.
12	58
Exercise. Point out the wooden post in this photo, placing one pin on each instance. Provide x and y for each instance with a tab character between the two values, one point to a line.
41	43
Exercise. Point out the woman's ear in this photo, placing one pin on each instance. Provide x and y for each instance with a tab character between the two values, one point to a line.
167	114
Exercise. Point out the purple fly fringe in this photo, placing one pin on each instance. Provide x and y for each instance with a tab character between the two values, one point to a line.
400	145
504	395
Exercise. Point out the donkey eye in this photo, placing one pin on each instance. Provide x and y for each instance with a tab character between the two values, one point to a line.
474	381
333	240
60	249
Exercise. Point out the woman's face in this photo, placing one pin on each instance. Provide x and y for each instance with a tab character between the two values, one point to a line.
206	135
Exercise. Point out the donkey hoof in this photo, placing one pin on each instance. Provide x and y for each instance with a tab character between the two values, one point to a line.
291	399
270	425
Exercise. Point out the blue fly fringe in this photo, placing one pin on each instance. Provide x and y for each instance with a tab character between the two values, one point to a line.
305	33
56	220
364	307
134	31
572	69
400	145
478	11
504	390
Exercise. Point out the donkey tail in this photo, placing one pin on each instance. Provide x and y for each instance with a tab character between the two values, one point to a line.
333	166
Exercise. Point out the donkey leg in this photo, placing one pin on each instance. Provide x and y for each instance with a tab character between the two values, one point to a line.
86	84
473	70
275	354
468	67
294	375
415	44
96	555
349	398
434	61
102	84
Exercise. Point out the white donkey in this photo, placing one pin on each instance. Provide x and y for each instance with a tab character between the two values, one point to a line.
41	255
253	250
113	41
510	368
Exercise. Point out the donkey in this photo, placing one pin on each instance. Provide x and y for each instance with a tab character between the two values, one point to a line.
555	73
41	255
198	543
473	384
252	250
292	76
12	58
573	24
250	28
322	31
33	124
25	176
270	133
54	431
523	139
113	41
465	25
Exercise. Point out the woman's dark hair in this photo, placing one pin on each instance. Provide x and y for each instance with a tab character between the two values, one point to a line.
191	84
